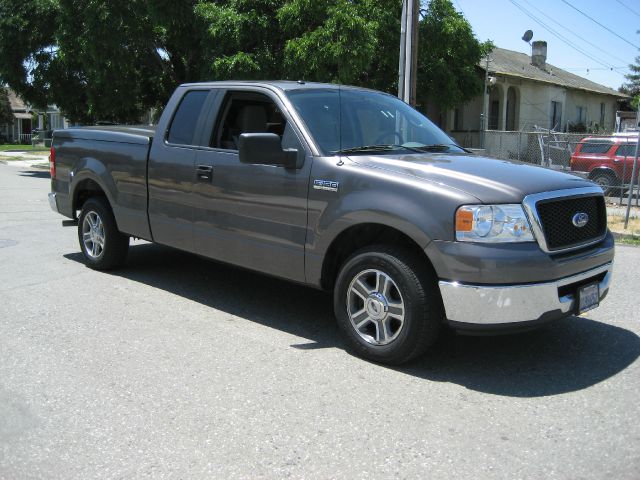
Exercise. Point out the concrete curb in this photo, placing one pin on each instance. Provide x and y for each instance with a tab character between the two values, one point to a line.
625	236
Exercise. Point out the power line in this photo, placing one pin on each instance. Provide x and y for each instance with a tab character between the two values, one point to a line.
574	33
597	22
559	35
459	7
628	8
596	68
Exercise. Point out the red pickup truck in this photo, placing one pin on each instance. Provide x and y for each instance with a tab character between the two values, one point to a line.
607	160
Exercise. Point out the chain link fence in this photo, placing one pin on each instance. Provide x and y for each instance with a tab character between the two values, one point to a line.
605	159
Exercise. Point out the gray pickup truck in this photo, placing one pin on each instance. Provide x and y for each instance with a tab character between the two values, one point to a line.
347	190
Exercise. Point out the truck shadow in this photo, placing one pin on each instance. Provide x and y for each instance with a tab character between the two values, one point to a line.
572	354
35	174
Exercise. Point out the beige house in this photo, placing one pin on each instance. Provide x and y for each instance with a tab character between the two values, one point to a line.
526	93
26	119
20	130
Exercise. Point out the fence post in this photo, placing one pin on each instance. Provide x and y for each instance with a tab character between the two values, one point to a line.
633	179
624	177
519	141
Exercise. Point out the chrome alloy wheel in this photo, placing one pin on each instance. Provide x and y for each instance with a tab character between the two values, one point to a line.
93	235
375	307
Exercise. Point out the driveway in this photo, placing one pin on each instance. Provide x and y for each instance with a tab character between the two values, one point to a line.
178	367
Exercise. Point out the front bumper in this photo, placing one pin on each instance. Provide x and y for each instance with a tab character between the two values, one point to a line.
495	307
53	203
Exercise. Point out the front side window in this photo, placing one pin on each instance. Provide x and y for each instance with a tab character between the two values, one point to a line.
185	121
247	112
359	121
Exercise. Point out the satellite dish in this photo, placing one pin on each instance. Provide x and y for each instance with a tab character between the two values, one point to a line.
528	35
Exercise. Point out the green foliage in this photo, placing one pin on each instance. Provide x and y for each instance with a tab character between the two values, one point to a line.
114	59
6	115
330	41
632	87
98	59
448	57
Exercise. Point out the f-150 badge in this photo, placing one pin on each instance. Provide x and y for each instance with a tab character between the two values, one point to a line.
326	185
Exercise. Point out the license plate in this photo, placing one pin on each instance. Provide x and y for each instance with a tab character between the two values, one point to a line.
588	297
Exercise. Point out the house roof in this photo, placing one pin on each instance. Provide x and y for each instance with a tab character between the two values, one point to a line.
516	64
17	105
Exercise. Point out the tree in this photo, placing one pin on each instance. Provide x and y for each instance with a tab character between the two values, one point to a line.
448	57
114	59
330	40
98	59
111	60
632	87
6	114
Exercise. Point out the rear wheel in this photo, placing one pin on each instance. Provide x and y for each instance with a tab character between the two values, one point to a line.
388	305
102	245
607	181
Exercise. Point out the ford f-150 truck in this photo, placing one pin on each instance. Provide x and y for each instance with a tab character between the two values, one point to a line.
347	190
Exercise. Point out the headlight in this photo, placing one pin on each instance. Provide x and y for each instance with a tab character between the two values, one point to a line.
492	224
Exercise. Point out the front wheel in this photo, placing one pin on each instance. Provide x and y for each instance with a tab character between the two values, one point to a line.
387	303
102	245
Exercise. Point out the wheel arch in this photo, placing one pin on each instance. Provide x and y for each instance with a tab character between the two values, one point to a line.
84	190
604	171
360	236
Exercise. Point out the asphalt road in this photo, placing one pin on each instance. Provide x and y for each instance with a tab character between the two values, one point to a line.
178	367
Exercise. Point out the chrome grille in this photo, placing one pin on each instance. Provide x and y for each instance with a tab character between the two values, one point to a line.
556	217
552	215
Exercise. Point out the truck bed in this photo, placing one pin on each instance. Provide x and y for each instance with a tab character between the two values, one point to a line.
118	154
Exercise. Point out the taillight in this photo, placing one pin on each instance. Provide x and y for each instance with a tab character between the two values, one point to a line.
52	162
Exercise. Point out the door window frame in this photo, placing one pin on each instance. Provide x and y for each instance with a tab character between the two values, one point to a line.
216	112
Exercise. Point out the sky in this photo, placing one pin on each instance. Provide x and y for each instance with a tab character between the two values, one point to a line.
564	28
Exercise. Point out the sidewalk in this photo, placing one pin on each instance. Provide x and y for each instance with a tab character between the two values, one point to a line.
25	159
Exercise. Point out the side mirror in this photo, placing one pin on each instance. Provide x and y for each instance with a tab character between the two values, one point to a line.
266	149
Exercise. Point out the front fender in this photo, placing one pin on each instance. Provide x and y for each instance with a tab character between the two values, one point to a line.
423	211
359	208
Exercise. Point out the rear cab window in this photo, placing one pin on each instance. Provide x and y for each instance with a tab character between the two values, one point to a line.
186	119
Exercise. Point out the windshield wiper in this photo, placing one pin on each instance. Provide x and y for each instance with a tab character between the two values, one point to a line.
377	148
436	147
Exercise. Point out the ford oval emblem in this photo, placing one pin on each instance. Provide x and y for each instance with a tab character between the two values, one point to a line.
580	219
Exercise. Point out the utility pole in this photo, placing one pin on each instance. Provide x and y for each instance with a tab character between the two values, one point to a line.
408	65
483	116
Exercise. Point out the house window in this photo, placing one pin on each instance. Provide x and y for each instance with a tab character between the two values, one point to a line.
457	119
555	122
55	121
602	114
581	115
494	113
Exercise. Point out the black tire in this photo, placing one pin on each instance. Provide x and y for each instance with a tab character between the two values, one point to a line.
113	251
607	181
415	287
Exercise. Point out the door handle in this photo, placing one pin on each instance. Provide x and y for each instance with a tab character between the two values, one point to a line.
204	172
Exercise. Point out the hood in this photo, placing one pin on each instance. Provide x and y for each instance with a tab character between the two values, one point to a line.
488	179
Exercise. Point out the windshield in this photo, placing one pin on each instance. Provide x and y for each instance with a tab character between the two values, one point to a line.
367	121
